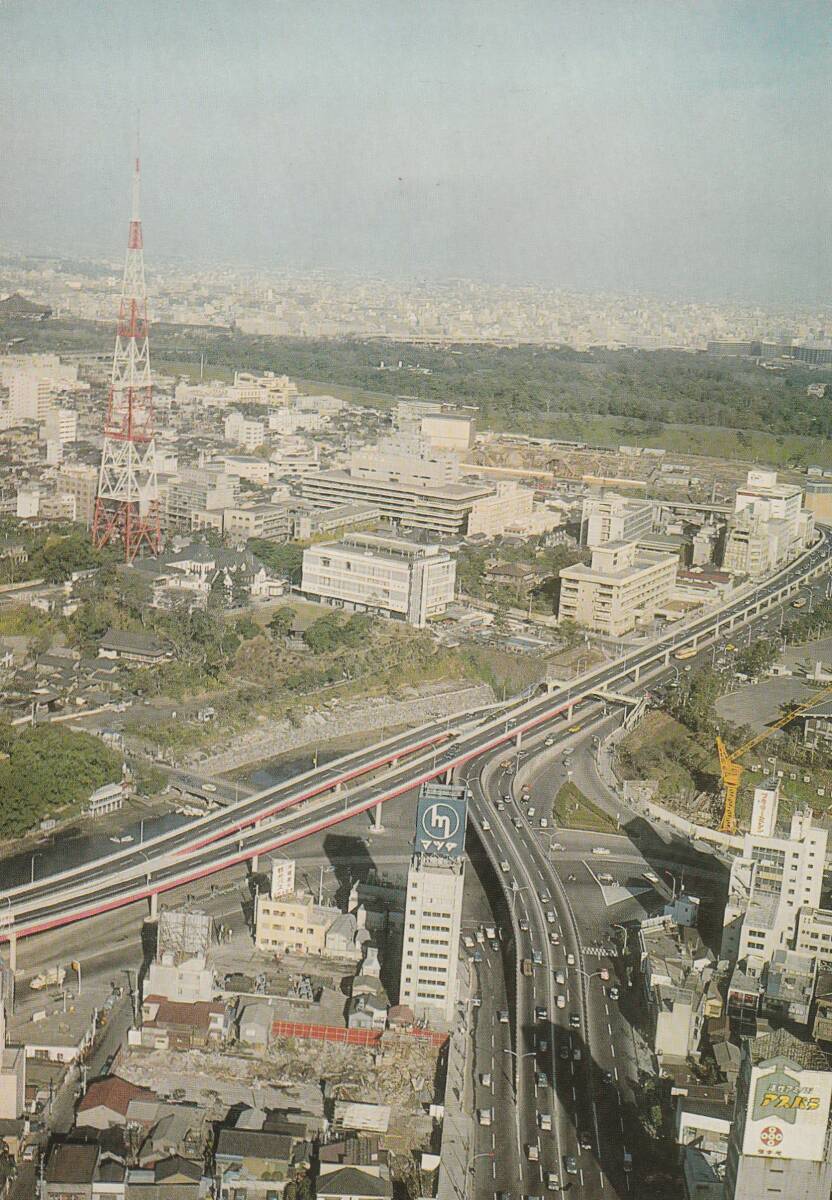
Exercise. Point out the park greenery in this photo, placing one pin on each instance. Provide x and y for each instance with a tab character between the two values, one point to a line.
44	768
53	554
475	563
530	389
282	558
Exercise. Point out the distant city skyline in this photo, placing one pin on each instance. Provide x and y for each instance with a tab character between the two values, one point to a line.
668	149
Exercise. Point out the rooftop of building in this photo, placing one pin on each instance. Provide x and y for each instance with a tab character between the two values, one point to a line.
631	563
72	1163
791	976
129	642
459	492
383	545
782	1044
352	1181
762	909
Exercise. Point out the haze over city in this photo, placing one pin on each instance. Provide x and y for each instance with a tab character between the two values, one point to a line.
415	600
664	147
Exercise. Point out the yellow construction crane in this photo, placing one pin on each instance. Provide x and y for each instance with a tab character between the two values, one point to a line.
731	768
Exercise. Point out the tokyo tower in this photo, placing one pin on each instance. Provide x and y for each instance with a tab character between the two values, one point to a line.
127	501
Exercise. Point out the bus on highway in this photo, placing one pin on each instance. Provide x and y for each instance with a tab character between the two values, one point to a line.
687	652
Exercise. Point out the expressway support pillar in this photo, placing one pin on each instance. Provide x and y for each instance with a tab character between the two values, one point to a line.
518	739
636	674
254	861
667	658
570	708
154	906
377	826
13	952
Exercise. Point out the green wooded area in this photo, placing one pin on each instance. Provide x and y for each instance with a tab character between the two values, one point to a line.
527	389
47	768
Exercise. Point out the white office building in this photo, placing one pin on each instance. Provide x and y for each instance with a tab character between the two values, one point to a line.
34	381
380	573
61	425
267	389
777	875
769	527
614	518
621	587
433	908
243	432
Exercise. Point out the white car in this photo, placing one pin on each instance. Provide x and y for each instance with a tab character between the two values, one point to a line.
570	960
602	850
504	867
561	1001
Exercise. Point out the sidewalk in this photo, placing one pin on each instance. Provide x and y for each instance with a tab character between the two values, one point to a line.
458	1123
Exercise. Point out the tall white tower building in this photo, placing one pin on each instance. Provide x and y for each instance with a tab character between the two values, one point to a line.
433	911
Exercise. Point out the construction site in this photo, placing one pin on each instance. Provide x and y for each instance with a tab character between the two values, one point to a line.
401	1074
640	470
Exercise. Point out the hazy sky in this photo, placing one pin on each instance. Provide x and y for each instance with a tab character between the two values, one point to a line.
679	146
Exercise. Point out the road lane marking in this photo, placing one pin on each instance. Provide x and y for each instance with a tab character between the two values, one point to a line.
612	1051
609	1029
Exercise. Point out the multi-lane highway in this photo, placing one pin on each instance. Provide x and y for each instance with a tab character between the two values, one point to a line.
278	816
573	1053
565	1050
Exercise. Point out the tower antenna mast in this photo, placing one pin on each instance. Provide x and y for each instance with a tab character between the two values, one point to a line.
127	501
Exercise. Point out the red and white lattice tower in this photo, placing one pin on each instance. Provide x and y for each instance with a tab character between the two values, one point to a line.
127	502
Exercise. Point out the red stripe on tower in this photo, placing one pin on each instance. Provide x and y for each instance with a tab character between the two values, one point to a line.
127	502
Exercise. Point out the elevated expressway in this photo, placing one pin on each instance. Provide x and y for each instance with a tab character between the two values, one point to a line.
362	781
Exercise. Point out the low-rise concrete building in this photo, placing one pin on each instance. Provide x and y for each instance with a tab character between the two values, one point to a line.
679	981
789	987
295	924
